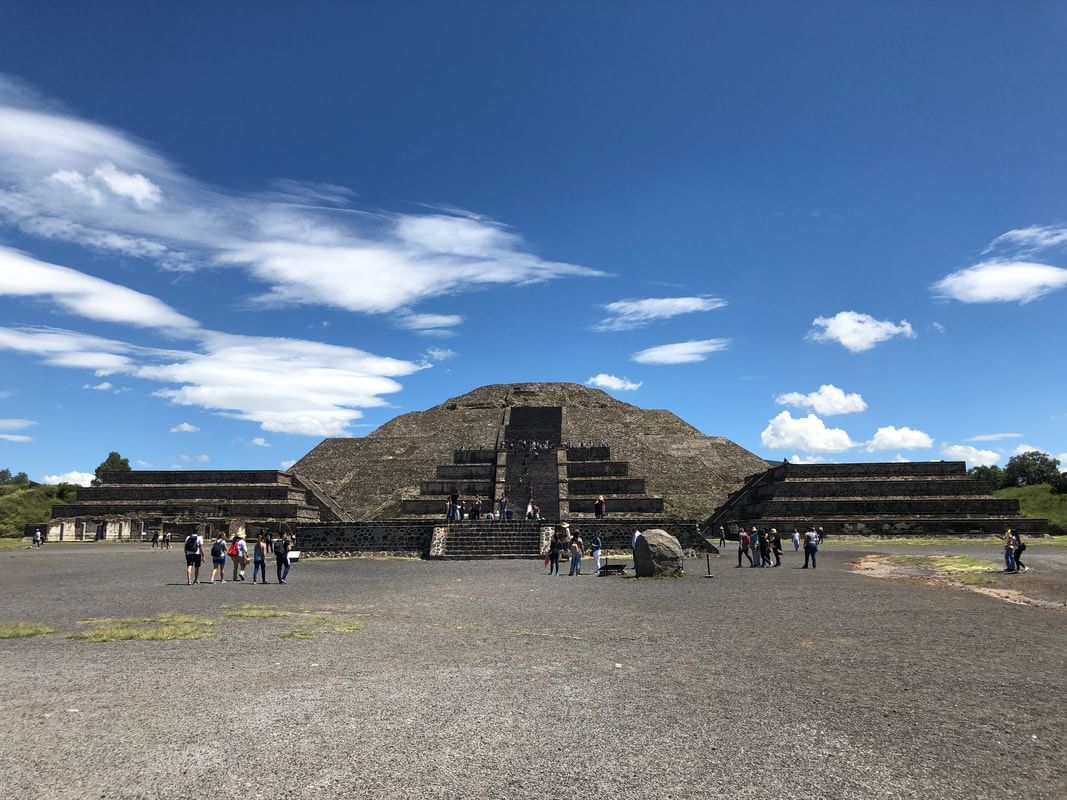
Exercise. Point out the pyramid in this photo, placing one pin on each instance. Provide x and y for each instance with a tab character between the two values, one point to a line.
372	477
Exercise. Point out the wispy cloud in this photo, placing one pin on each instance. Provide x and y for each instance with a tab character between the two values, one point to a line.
624	315
430	324
98	387
809	434
8	425
184	427
436	354
67	178
259	441
826	400
994	437
1031	239
680	352
612	383
857	332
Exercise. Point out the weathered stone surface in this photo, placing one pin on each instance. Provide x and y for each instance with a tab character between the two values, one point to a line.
657	554
369	477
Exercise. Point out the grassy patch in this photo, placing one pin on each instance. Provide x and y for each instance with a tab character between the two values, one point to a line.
296	634
975	579
23	630
946	564
348	626
1039	501
252	611
11	543
160	628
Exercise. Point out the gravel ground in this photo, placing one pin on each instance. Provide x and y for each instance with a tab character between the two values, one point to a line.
493	680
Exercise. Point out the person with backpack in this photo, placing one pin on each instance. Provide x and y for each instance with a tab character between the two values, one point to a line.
218	558
597	546
743	542
811	546
194	556
259	559
238	553
1018	545
281	556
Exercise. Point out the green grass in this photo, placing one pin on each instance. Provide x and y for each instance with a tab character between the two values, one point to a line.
296	634
21	505
23	630
975	579
252	611
160	628
1039	501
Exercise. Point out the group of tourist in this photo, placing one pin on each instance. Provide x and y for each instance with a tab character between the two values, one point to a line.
161	540
564	543
758	546
1013	552
237	552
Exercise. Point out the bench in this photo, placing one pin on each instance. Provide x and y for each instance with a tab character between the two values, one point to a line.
611	569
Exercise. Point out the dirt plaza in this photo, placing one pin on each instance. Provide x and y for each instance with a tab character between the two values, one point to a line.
384	678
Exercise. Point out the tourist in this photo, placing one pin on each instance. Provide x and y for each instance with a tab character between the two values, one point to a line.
194	556
1009	551
577	551
239	554
166	540
599	507
765	549
597	544
1017	552
476	509
776	547
796	540
743	541
448	510
755	543
155	540
722	536
37	537
633	546
281	556
811	546
259	559
218	558
555	547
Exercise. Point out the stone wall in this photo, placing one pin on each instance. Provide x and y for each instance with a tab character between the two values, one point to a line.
399	536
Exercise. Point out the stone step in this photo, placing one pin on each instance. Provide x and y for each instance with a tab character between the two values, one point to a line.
853	487
597	469
876	506
209	477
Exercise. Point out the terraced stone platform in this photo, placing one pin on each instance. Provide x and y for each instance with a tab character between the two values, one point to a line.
924	498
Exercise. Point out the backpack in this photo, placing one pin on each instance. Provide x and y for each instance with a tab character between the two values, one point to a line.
191	544
279	547
232	552
218	550
746	540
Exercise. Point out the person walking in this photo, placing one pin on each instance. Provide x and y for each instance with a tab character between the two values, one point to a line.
765	549
259	560
577	551
722	536
194	557
37	537
155	540
743	541
218	558
1017	551
555	547
239	554
811	547
796	540
776	547
755	541
600	507
597	548
166	540
1009	551
281	556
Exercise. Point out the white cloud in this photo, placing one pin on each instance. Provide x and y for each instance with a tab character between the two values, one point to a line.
1031	239
899	459
184	427
808	433
625	315
857	332
74	477
972	455
613	383
937	326
892	438
15	424
1001	282
16	437
1027	448
439	354
85	295
98	387
287	463
994	437
798	459
259	441
430	323
142	464
680	352
827	400
66	178
203	459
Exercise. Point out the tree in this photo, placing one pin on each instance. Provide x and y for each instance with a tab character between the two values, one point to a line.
113	463
5	475
21	479
1031	468
994	475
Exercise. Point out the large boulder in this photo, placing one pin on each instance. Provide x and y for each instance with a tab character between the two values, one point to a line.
657	553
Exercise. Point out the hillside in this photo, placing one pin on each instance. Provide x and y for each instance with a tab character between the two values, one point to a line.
1039	501
22	504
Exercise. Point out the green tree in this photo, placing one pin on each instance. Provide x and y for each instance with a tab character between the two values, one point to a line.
113	463
994	475
1031	468
5	475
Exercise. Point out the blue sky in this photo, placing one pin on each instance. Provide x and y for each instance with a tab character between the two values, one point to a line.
829	231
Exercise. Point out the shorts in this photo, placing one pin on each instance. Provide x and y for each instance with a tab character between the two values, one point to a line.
219	562
192	560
